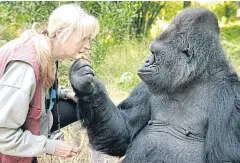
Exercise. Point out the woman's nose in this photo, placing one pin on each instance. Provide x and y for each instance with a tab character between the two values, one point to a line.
85	47
83	50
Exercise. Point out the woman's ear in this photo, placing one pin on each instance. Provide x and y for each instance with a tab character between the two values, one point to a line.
59	33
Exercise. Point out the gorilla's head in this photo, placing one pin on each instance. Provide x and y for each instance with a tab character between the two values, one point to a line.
182	53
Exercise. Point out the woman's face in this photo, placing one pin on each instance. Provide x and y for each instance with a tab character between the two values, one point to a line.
72	47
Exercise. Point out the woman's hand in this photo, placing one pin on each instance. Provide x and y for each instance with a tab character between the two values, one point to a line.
71	95
66	93
65	150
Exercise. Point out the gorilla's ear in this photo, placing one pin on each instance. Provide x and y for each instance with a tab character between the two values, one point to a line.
188	55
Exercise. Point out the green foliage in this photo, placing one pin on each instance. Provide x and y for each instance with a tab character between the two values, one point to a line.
230	39
230	36
121	64
116	54
114	18
170	9
63	72
145	15
99	52
226	11
19	15
231	33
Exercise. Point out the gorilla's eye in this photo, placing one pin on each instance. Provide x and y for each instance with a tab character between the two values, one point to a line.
186	53
152	52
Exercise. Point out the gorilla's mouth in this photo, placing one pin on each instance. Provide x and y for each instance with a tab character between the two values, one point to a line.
148	70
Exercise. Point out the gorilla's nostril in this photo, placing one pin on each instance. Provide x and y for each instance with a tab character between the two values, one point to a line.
149	60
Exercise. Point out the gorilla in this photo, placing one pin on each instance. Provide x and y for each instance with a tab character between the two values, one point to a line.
185	110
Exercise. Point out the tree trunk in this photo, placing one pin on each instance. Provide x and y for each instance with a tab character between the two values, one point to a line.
227	9
186	4
145	16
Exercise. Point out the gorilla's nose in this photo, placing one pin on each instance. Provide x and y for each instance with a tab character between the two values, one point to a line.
149	61
146	66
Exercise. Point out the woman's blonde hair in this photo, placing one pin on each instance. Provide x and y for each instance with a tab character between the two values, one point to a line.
67	19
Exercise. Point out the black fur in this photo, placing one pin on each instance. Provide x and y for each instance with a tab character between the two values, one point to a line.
186	110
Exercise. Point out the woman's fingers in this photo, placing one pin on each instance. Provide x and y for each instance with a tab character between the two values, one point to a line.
65	150
76	150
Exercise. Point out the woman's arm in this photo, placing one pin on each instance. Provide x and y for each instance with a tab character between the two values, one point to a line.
17	87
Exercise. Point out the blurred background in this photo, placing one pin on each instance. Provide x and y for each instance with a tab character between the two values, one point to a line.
126	30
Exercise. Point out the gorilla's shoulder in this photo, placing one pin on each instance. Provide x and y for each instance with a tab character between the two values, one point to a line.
138	97
141	88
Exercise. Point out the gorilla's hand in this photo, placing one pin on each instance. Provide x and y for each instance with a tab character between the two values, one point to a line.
82	78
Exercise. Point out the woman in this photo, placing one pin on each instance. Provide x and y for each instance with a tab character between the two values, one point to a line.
27	71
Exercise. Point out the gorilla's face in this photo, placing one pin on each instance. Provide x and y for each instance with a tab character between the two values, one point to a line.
180	53
168	63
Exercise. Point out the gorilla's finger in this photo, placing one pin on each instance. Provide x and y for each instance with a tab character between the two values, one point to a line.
79	64
79	82
86	79
85	86
85	70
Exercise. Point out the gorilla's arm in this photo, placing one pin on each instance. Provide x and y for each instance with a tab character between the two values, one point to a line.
111	128
223	136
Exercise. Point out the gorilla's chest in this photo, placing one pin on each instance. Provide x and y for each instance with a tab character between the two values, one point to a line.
184	119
